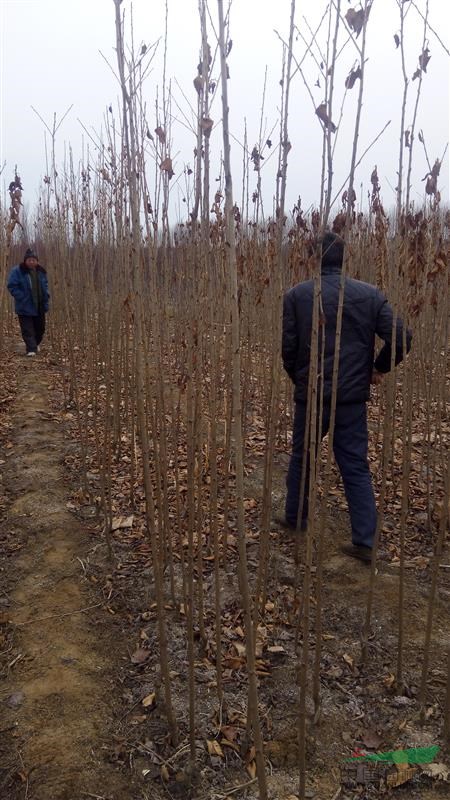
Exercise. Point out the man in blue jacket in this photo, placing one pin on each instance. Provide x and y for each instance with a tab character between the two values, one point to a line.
366	312
28	285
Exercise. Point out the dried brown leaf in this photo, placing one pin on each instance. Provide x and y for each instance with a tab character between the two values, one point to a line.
371	739
199	83
122	522
389	680
166	166
207	125
276	649
165	773
149	700
140	656
214	748
251	769
424	59
230	732
160	134
321	112
240	648
352	77
349	660
355	20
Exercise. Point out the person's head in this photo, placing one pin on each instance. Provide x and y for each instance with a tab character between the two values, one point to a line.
332	250
30	259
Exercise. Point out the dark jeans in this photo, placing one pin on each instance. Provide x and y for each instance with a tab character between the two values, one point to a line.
32	330
350	450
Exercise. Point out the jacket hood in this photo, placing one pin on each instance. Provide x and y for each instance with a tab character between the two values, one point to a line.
332	254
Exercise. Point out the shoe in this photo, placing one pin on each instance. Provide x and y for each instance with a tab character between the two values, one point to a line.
358	551
31	353
287	526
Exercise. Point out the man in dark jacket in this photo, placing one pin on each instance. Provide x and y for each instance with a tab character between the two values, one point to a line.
366	312
28	285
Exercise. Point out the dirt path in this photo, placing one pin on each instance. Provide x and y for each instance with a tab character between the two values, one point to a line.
57	699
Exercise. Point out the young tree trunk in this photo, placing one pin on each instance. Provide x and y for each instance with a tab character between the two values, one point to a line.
237	416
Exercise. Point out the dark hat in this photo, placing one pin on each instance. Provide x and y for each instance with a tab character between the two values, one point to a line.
30	254
332	250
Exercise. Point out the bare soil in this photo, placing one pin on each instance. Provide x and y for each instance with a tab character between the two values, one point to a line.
72	720
58	693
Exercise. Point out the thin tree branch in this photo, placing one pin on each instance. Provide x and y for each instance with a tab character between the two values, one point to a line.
359	161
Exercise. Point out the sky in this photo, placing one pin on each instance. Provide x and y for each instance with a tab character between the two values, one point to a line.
57	54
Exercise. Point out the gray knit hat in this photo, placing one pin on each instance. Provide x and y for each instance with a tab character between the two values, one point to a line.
30	254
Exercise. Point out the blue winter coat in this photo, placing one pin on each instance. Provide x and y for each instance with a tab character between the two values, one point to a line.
366	313
19	285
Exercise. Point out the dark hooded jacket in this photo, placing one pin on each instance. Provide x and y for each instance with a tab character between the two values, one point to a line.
366	313
20	286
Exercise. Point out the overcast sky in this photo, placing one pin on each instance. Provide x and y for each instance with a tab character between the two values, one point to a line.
51	58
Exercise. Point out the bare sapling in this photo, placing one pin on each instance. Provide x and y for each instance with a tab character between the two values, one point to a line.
439	546
403	8
409	134
407	394
130	142
314	447
349	202
447	703
237	416
328	128
274	377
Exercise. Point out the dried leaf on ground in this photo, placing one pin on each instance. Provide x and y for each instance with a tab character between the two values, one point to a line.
214	748
389	680
149	700
240	648
251	769
119	523
230	732
349	660
371	739
140	656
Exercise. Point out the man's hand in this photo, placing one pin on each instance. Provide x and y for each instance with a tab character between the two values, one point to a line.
377	378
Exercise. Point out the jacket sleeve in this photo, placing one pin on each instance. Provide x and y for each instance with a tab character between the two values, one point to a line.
14	284
46	291
290	335
383	329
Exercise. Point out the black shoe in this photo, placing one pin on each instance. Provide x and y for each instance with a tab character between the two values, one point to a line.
287	526
358	551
